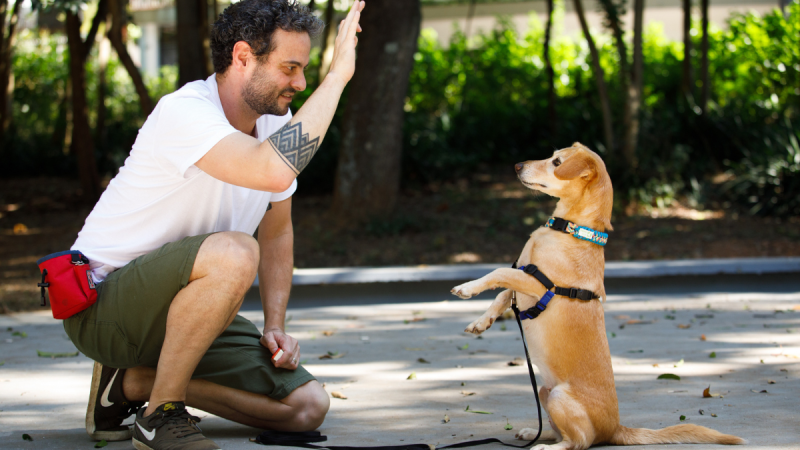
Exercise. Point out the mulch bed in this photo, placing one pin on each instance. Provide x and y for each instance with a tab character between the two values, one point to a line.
486	219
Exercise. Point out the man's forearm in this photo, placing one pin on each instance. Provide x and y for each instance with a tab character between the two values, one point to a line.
297	141
275	279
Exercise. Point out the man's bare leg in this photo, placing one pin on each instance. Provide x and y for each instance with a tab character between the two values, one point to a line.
223	271
302	410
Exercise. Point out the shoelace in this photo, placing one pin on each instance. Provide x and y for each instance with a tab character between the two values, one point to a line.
179	422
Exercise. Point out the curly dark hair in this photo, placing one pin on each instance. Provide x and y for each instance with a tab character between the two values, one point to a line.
254	22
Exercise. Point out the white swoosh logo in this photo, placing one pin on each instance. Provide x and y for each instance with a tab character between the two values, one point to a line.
149	435
104	402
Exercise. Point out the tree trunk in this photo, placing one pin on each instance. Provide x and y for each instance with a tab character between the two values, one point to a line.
368	173
82	146
118	23
193	40
470	16
101	134
635	88
704	62
614	22
686	84
599	76
7	37
551	84
326	48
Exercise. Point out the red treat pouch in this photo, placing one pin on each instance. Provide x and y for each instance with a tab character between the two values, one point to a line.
69	278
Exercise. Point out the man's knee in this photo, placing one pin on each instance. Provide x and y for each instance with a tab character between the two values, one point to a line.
310	403
231	253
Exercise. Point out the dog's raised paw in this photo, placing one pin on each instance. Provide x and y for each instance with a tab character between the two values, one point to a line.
480	325
462	291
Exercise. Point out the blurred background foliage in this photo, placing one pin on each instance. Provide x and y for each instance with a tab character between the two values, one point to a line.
481	104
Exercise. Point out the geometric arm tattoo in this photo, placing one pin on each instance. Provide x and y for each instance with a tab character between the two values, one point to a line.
294	147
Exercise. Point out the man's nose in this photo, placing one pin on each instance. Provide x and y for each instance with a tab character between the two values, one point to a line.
299	82
519	166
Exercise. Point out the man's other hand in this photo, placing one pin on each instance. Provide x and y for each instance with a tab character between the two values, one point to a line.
275	339
343	63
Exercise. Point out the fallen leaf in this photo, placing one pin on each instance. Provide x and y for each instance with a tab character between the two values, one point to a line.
101	444
639	322
707	393
20	228
702	337
329	332
446	419
423	361
21	334
337	394
463	347
669	317
467	394
332	355
56	355
701	412
784	370
683	327
713	415
463	384
712	355
27	437
508	425
763	391
413	376
683	417
679	363
503	327
655	365
476	411
516	362
668	376
770	381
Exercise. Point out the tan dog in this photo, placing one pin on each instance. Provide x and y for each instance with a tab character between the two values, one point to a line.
568	341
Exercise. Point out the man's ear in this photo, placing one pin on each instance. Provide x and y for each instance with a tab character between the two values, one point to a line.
577	165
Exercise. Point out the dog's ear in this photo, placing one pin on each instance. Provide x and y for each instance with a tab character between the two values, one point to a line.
578	164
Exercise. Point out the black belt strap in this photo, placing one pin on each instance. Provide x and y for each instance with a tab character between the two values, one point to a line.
580	294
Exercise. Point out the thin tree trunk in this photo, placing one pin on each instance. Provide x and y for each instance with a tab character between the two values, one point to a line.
614	22
193	40
470	16
326	50
101	134
706	92
635	89
551	84
686	83
118	23
8	36
599	76
368	173
81	143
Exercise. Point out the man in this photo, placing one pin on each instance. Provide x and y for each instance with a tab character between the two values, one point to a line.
170	241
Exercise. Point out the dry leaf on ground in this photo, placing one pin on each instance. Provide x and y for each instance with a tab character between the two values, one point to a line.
329	332
683	327
332	355
467	394
707	393
446	419
702	337
516	362
337	394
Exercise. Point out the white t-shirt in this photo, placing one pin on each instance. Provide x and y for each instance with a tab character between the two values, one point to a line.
160	196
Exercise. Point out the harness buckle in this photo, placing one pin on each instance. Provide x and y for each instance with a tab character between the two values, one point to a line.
573	293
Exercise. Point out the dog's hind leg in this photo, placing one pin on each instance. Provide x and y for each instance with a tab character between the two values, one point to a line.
498	307
569	417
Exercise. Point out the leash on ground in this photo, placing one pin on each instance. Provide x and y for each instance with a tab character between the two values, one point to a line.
305	439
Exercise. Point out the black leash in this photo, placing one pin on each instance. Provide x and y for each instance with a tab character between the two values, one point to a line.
305	439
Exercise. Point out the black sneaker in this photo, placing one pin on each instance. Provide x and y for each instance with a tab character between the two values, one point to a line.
170	427
108	406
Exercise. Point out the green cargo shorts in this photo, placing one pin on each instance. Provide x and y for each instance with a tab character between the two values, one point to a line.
127	325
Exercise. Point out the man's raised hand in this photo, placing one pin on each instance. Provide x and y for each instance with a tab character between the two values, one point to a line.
343	63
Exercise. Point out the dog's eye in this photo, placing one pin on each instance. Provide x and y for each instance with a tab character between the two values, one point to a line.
557	162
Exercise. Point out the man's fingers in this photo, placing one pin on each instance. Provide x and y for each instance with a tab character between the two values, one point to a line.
349	18
351	30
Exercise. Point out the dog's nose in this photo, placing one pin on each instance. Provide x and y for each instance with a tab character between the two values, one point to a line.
518	166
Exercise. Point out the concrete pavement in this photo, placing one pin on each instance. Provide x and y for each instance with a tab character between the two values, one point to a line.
386	331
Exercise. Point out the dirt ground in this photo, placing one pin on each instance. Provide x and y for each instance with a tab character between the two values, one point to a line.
486	219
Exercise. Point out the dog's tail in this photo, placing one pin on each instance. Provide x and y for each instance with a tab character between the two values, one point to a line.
676	434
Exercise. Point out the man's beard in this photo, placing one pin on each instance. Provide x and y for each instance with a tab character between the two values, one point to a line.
262	97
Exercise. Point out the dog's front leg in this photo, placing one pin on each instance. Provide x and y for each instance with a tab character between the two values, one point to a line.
513	279
498	307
